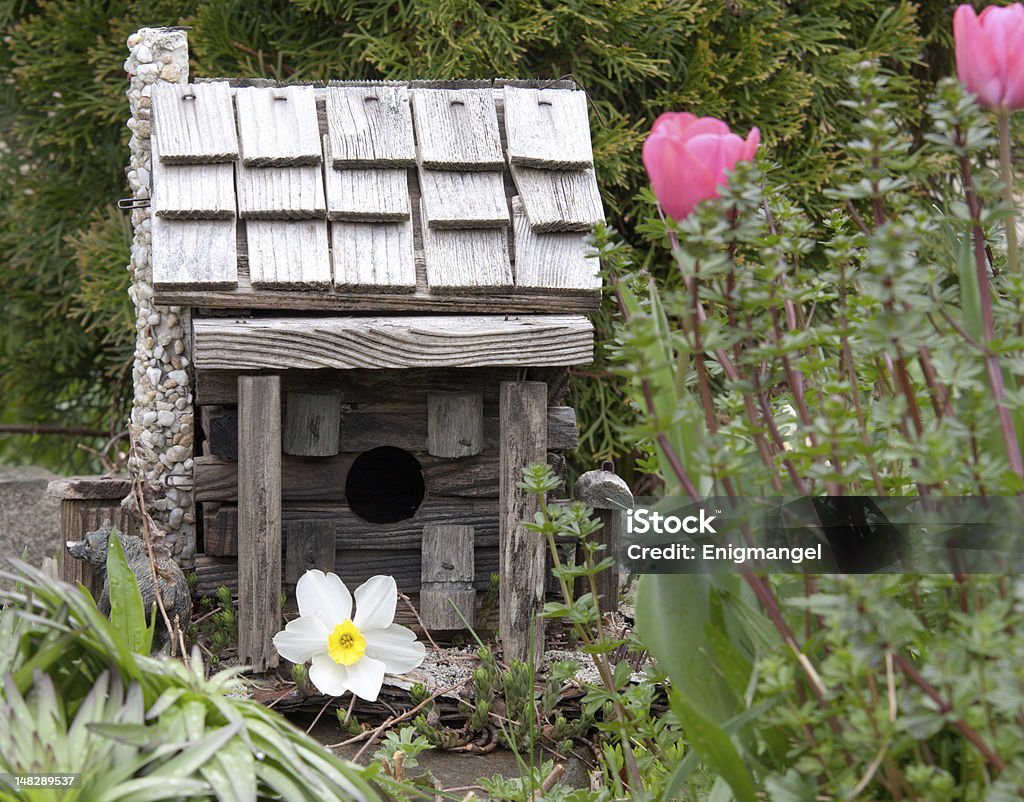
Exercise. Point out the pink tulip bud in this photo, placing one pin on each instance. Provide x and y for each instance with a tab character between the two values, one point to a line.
990	54
687	158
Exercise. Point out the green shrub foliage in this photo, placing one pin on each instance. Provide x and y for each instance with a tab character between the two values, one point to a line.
64	313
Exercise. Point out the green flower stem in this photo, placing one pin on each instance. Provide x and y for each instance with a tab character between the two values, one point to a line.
607	678
1006	172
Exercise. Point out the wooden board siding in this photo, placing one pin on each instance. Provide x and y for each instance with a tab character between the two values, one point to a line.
278	126
194	254
354	566
351	531
547	128
369	125
195	122
443	341
457	129
286	253
373	256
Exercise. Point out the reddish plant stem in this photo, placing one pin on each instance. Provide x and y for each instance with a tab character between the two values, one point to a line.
994	760
995	373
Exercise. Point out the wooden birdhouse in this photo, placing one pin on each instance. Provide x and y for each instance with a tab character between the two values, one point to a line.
358	305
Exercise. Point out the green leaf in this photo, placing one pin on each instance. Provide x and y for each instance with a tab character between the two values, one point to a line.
673	612
715	748
127	613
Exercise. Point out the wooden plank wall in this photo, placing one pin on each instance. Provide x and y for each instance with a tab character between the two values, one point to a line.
461	491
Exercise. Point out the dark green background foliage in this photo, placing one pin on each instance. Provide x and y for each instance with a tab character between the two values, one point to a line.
65	318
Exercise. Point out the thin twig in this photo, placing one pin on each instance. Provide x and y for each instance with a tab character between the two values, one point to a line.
419	620
140	497
322	709
396	719
993	759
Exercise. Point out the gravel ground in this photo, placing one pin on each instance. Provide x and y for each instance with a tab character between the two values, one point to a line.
29	519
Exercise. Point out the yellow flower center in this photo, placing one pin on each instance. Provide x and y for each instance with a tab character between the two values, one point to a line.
346	644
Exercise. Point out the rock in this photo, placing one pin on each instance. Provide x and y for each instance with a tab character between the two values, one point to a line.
180	377
153	374
165	418
177	454
175	517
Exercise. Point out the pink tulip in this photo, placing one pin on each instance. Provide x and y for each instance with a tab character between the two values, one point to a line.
687	158
990	54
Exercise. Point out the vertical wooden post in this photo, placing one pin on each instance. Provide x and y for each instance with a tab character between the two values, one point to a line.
610	497
259	519
523	438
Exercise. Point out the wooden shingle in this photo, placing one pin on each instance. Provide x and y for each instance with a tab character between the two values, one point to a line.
278	126
373	257
457	129
197	254
453	199
195	122
280	193
464	260
192	191
552	262
559	200
547	128
370	126
288	253
365	193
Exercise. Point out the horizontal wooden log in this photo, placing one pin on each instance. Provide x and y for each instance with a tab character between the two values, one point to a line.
392	342
88	488
351	530
354	566
407	429
508	301
372	426
358	386
323	479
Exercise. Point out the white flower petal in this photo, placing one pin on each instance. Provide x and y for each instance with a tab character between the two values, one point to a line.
325	596
365	678
330	678
396	647
301	639
375	603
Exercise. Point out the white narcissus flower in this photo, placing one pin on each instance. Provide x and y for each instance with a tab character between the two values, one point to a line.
348	653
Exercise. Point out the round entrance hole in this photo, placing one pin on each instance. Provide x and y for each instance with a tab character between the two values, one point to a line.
385	485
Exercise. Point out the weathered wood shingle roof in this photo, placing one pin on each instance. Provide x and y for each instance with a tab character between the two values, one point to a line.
377	197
